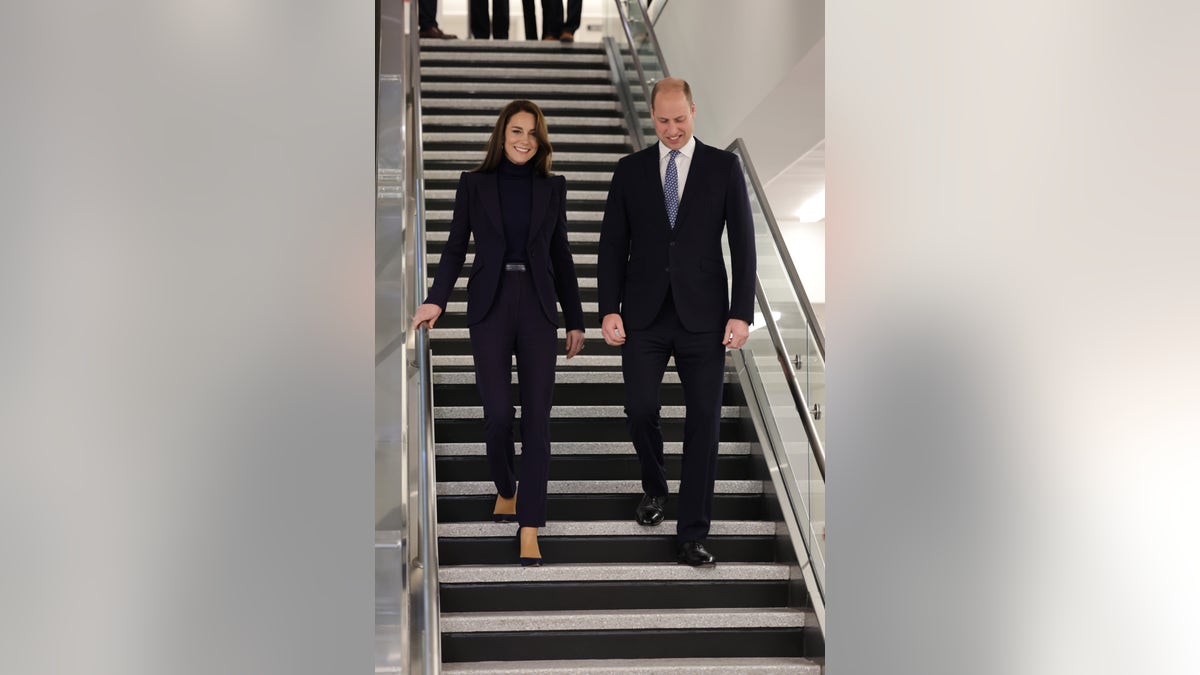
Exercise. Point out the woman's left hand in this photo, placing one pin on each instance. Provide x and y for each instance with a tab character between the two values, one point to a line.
574	342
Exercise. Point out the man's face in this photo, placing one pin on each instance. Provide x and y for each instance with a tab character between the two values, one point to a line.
673	118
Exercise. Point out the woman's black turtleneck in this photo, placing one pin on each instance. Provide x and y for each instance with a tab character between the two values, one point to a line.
516	205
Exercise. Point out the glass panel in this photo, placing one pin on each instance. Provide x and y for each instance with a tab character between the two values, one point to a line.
797	466
789	313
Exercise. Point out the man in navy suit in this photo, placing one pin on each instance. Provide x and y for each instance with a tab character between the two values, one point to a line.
664	292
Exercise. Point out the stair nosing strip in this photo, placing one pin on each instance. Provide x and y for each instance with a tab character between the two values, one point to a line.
585	572
614	620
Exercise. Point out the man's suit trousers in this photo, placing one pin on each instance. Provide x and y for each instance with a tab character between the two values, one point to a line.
700	361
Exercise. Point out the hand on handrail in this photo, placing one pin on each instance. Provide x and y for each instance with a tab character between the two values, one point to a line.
427	315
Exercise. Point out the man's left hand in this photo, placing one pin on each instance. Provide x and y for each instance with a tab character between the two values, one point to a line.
736	333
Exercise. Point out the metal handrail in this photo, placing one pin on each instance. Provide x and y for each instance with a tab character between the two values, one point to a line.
793	276
637	62
654	38
427	611
789	373
617	67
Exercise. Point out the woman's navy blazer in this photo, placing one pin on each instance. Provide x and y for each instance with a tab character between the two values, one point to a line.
477	214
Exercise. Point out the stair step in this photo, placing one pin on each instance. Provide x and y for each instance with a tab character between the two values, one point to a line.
474	412
658	546
532	91
589	467
644	619
571	176
547	71
590	487
486	122
432	259
568	430
585	283
603	528
496	103
437	46
481	138
583	377
736	666
441	216
588	448
661	641
561	362
472	158
490	59
573	195
470	508
588	307
532	594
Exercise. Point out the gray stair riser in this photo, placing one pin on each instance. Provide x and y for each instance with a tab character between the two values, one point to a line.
601	528
443	216
438	46
482	138
515	89
497	103
434	236
586	377
487	122
594	448
473	157
714	666
571	176
598	487
431	74
574	196
579	259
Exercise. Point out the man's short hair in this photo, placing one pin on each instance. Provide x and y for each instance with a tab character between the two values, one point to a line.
670	84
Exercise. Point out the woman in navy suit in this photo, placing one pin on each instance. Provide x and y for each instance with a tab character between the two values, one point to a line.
517	213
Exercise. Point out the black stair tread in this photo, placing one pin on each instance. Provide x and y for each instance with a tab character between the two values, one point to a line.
478	597
648	643
642	549
646	666
471	508
563	430
582	467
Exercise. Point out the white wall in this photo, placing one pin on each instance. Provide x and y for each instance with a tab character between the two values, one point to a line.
765	81
806	243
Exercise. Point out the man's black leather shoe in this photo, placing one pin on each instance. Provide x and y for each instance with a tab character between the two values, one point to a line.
650	510
693	553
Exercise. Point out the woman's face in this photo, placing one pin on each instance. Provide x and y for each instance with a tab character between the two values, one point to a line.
519	143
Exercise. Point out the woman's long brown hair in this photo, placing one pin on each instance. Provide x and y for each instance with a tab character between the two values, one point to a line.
495	147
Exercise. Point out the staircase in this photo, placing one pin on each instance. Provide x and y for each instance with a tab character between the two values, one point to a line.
610	598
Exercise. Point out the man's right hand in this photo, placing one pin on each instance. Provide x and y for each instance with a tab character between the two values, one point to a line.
427	314
613	330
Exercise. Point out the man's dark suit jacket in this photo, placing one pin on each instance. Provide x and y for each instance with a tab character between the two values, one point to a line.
477	213
641	256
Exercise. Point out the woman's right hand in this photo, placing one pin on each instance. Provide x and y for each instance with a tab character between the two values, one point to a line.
427	315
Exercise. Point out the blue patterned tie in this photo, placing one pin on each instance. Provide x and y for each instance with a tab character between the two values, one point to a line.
671	189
